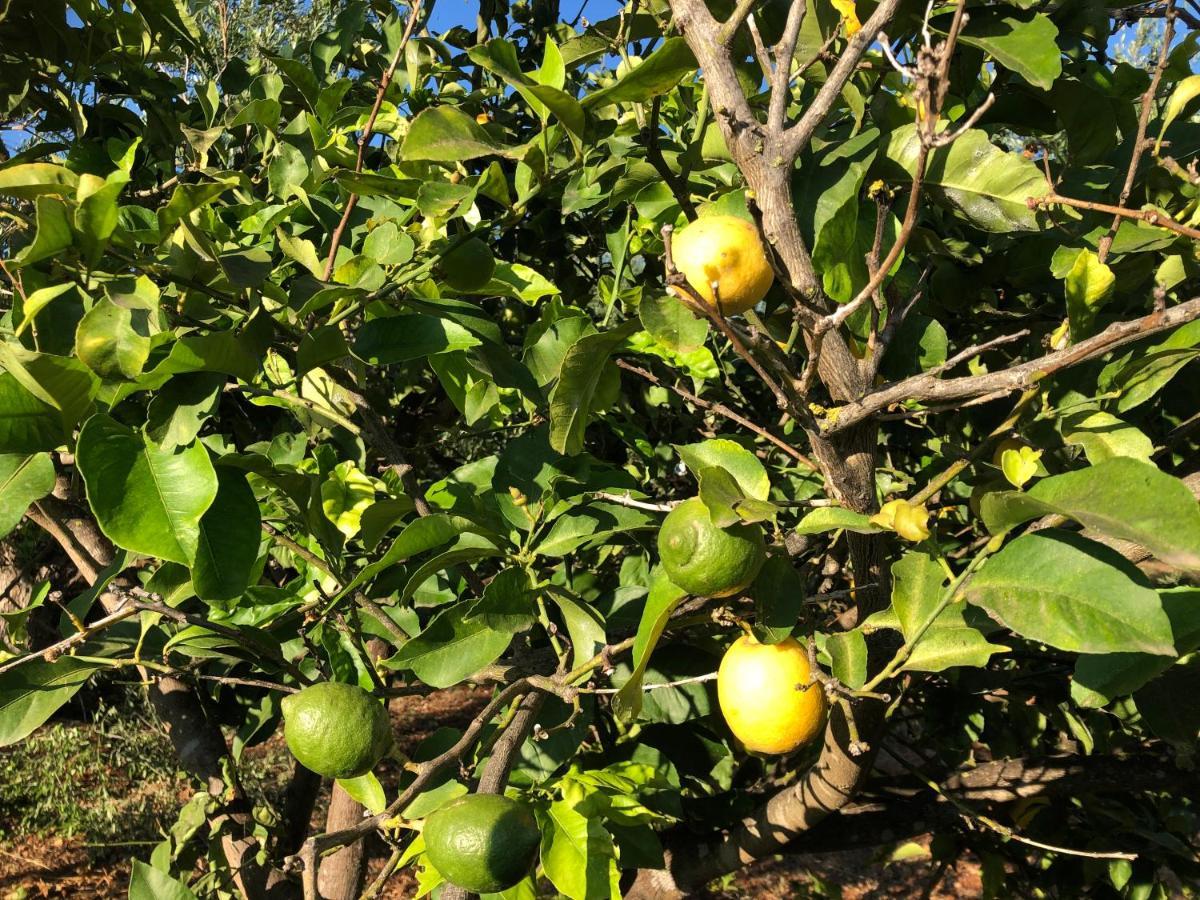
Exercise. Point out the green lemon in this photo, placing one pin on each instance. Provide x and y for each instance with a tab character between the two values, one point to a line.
336	730
468	267
706	560
484	843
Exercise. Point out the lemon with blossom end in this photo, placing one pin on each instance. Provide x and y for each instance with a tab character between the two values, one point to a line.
726	250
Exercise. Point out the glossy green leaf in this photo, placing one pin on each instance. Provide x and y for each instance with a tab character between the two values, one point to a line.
145	499
398	338
578	380
31	693
1027	46
1122	498
23	479
1071	593
1103	437
832	518
577	854
974	178
148	883
446	134
28	181
778	593
27	424
742	464
848	654
108	343
658	73
660	603
230	533
367	790
450	649
673	324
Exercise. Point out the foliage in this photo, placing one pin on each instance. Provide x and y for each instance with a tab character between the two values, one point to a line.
247	389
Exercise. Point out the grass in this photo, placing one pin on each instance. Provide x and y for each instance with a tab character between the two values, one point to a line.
111	781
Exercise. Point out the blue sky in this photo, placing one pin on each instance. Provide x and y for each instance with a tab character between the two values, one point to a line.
448	13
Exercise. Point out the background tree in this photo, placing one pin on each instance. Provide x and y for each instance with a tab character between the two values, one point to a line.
346	354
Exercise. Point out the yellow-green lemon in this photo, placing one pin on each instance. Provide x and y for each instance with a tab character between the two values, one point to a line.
765	695
728	251
704	559
484	843
336	730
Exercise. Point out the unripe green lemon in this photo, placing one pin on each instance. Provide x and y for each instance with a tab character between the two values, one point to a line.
468	267
725	250
706	560
484	843
336	730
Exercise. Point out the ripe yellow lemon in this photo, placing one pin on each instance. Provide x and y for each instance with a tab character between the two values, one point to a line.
761	691
727	250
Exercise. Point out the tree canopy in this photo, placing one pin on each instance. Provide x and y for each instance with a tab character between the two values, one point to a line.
334	348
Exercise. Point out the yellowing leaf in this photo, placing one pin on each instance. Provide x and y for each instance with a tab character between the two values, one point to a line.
909	520
1019	465
849	15
1186	91
345	496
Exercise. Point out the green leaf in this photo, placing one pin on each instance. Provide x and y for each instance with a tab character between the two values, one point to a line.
976	179
177	412
918	582
416	538
507	603
660	603
148	883
577	854
28	181
31	693
584	626
499	57
38	300
62	382
189	197
520	282
23	479
1024	45
1103	437
27	424
726	504
1142	375
1122	498
831	518
399	338
145	499
594	521
108	343
778	593
230	533
447	134
53	234
731	456
345	494
580	375
1170	704
1071	593
848	654
287	171
367	790
450	649
1100	678
673	324
658	73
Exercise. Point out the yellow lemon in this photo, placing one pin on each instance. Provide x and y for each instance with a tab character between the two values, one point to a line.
727	250
763	695
909	520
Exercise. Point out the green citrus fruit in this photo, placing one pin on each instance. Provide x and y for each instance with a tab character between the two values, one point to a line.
336	730
469	266
482	842
706	560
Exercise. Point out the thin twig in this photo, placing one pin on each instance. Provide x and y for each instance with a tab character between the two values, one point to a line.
1140	142
365	137
722	410
654	154
1154	217
626	500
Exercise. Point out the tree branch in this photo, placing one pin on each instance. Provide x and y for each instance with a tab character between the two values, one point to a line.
1020	377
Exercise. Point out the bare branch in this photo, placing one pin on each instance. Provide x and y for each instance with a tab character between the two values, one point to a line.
1020	377
1140	142
1149	216
781	79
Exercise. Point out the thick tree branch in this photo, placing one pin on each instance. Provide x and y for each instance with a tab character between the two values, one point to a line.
928	387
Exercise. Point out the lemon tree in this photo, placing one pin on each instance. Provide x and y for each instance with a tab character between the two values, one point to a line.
562	384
